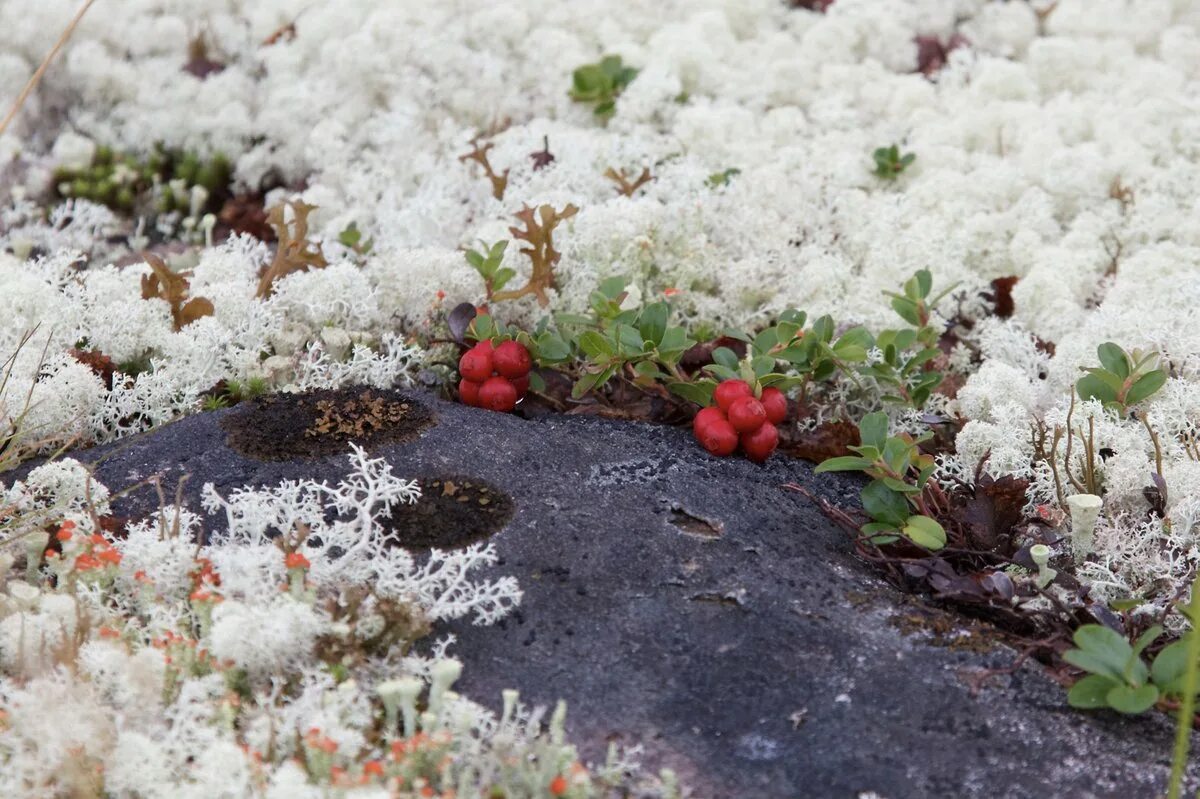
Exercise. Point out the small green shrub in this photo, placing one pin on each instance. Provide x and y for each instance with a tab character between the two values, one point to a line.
899	473
1122	379
601	83
487	263
1118	677
889	163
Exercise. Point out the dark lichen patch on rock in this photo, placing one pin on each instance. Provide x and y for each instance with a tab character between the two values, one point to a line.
939	628
323	422
453	512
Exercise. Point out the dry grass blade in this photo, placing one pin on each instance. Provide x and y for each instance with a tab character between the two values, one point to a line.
36	78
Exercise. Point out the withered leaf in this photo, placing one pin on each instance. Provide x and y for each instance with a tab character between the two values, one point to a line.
164	284
1002	289
295	252
990	514
539	232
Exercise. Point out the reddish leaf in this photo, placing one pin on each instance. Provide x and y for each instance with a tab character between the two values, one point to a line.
700	355
1002	288
98	362
989	515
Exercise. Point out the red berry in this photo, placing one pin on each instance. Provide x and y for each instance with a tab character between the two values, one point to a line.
746	414
511	359
718	437
468	392
759	444
775	404
705	418
498	394
729	390
476	363
521	384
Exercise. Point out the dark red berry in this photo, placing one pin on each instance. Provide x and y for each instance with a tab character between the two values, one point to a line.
718	437
705	418
468	392
476	363
775	404
746	414
759	444
729	390
498	394
511	359
521	384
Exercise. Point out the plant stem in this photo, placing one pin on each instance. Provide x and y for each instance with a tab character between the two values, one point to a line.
37	75
1187	707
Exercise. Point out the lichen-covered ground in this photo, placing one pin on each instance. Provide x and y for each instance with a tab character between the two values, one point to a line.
1054	190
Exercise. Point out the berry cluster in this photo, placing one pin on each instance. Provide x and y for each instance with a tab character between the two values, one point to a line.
494	377
741	418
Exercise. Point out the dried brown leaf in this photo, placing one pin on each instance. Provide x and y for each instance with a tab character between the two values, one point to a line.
624	185
539	232
295	252
164	284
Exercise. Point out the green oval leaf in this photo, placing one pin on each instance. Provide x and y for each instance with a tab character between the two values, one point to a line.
924	531
1126	699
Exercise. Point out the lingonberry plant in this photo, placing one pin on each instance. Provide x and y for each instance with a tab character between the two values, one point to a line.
890	163
895	499
1117	676
1122	379
487	263
905	370
495	374
601	83
744	415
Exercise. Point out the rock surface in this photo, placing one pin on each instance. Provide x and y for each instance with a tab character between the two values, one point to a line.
690	604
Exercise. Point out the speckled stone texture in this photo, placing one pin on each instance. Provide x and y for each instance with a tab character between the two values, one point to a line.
690	604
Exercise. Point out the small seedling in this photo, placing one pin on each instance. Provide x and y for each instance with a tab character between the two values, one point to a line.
899	474
718	179
889	163
352	238
487	264
601	83
1118	677
1122	379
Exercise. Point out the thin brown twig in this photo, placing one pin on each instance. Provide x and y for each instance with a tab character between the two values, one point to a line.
36	78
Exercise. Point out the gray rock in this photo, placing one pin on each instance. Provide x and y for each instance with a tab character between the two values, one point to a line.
689	604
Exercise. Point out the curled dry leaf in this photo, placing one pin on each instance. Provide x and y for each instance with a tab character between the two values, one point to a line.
164	284
539	233
479	154
295	252
625	186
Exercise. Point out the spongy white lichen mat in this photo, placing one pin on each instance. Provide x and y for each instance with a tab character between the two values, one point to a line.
1060	145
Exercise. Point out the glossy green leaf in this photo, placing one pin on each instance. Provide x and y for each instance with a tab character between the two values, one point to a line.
1090	693
873	429
1114	359
884	505
924	531
1145	386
